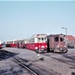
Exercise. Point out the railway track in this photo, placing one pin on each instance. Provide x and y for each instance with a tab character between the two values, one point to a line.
5	54
65	58
19	62
34	68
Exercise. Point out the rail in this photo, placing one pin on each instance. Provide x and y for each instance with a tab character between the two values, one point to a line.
36	68
19	61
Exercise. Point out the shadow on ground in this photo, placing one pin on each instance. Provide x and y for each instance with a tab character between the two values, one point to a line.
6	54
73	73
11	71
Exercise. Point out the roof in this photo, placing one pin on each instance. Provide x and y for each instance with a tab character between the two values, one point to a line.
55	35
39	35
70	37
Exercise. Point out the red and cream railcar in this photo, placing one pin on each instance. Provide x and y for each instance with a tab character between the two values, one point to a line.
10	43
0	45
37	42
21	43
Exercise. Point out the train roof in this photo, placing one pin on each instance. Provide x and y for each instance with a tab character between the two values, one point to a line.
55	35
37	35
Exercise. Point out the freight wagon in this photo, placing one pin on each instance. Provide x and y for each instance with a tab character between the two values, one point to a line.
56	43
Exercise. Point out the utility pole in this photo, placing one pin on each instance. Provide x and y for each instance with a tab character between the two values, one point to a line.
65	34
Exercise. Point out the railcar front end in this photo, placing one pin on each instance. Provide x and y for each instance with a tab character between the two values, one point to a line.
37	43
56	43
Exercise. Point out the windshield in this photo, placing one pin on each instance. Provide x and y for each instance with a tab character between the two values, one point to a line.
42	39
61	39
56	39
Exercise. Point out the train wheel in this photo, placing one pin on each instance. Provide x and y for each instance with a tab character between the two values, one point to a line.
66	51
37	51
23	47
48	50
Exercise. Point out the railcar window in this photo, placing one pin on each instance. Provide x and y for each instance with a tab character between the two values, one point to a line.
39	39
56	39
45	39
61	39
42	39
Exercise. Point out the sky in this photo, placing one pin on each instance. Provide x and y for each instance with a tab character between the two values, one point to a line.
22	19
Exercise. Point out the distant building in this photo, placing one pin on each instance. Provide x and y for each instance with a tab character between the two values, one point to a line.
70	41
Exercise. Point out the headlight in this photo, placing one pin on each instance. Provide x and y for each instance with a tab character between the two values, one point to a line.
42	46
36	47
64	46
57	46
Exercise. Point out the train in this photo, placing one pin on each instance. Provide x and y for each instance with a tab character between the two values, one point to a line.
37	43
56	43
21	43
0	44
10	43
41	43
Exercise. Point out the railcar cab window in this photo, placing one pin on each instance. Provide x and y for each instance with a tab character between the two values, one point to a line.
45	39
40	39
61	39
56	39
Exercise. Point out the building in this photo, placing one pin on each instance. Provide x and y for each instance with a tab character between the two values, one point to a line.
70	41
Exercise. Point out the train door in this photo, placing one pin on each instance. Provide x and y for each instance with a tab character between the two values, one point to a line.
56	41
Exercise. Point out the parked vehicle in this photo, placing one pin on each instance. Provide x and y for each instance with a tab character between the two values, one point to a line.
70	45
56	43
